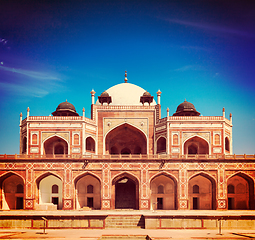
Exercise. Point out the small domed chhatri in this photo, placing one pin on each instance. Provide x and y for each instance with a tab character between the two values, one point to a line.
65	109
146	98
146	94
105	98
186	109
104	94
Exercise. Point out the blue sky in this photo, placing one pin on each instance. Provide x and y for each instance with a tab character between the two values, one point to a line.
202	51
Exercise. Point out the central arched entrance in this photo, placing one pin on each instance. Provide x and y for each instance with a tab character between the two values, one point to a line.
126	139
196	145
55	145
126	192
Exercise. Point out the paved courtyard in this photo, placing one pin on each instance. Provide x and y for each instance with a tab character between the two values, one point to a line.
92	234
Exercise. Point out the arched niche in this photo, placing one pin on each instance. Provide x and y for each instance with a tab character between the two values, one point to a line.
24	145
196	145
240	190
12	194
163	192
128	138
90	145
88	192
55	145
125	192
50	189
202	192
227	148
161	145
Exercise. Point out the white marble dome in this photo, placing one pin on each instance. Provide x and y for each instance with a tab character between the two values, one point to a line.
126	94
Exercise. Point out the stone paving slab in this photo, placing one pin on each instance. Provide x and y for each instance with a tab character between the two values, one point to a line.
92	234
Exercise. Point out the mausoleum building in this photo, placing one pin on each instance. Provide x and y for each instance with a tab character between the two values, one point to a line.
126	157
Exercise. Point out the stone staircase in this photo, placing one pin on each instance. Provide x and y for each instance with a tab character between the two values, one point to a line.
125	221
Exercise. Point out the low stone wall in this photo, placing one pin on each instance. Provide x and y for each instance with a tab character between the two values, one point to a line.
52	222
128	219
183	222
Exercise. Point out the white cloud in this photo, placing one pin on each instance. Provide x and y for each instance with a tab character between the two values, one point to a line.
23	90
29	83
187	68
32	74
211	27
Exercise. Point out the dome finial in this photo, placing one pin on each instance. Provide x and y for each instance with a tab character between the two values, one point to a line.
125	77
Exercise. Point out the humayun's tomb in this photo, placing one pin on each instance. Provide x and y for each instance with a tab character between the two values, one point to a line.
126	157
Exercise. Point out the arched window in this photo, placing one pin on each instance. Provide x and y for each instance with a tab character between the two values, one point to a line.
160	189
240	188
76	139
59	149
34	139
90	144
54	188
175	139
195	189
196	145
125	151
137	150
20	188
231	188
192	149
90	189
161	145
114	150
24	145
217	139
226	144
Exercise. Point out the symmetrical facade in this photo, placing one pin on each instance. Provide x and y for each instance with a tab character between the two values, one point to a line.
126	156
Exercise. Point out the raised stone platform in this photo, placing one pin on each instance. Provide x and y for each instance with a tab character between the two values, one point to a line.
99	219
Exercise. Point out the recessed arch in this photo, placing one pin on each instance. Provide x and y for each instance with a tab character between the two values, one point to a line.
77	178
135	140
165	174
87	191
46	174
8	174
24	145
125	150
47	184
227	146
125	191
90	144
196	145
163	188
55	145
161	145
12	191
204	196
240	192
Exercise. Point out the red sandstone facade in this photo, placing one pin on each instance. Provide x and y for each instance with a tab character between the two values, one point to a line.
126	156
